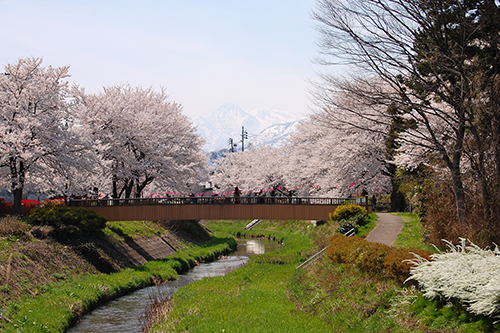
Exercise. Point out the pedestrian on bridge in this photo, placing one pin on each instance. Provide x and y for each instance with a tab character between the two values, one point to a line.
236	194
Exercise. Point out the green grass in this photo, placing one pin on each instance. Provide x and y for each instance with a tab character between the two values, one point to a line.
260	304
270	295
371	222
253	298
60	304
412	234
132	229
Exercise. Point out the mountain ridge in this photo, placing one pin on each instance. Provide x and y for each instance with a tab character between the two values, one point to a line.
264	126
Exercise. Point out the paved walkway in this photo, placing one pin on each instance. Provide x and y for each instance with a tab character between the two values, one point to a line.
387	229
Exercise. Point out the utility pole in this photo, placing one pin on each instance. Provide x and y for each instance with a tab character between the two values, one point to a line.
244	135
232	145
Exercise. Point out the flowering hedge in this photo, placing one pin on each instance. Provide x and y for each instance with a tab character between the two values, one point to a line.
466	273
27	205
52	202
5	207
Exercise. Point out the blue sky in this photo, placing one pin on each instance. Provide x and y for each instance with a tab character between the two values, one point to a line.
254	53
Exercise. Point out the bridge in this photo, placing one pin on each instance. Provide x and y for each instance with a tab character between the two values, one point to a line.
218	208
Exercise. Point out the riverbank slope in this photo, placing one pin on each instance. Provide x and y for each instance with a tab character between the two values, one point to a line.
49	283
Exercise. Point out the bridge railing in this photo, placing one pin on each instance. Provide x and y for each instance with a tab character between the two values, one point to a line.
217	200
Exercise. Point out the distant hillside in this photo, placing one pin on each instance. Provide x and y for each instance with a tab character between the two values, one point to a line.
264	126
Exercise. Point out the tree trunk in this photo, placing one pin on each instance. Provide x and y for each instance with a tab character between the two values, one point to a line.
18	197
453	165
141	185
478	165
495	105
66	194
115	190
458	189
129	186
17	179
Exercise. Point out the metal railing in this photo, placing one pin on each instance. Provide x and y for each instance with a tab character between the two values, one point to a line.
216	200
322	252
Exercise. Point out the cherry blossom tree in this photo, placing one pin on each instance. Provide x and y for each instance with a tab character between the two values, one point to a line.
255	169
141	138
33	122
76	177
435	65
339	157
320	160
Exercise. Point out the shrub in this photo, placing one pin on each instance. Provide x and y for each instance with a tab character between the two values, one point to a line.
374	258
343	249
72	218
355	222
5	207
345	226
52	202
345	212
466	273
28	206
397	265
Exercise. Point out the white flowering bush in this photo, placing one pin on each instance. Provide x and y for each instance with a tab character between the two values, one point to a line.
466	273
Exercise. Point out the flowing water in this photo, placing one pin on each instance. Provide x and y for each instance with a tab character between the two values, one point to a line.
123	314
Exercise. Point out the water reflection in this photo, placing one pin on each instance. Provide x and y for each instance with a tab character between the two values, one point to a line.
122	315
255	247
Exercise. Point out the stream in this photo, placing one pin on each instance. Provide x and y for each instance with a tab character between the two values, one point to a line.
122	315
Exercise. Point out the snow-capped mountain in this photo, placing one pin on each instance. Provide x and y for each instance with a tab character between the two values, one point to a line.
275	135
269	117
264	126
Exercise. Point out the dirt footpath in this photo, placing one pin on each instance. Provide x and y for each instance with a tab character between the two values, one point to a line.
387	229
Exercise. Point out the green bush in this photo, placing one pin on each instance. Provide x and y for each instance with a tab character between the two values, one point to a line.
355	222
345	212
72	218
345	226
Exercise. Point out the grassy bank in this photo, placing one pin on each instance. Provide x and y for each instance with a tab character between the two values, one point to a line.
45	286
351	299
412	234
61	304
